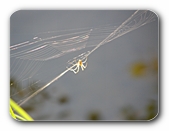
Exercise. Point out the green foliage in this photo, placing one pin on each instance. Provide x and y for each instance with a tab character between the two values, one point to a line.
18	93
23	116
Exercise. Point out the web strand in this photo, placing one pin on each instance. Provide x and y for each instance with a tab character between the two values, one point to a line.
49	48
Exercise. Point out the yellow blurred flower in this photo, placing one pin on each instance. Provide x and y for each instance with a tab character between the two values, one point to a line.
138	69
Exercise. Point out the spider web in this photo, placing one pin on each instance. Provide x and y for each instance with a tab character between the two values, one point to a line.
30	60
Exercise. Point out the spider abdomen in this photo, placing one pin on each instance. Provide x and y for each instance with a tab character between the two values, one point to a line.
80	62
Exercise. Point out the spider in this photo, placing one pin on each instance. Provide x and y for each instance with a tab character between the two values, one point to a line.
79	64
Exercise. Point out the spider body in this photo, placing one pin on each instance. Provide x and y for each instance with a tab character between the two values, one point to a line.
78	62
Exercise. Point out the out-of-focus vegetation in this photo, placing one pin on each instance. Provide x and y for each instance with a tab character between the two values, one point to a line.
151	110
63	99
94	115
18	93
140	68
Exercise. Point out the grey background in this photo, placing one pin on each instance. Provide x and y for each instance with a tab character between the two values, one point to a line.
106	86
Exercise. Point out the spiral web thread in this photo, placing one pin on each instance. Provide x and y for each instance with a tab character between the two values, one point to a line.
28	57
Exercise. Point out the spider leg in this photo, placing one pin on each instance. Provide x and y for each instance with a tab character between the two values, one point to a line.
77	69
74	70
85	65
71	68
82	67
84	60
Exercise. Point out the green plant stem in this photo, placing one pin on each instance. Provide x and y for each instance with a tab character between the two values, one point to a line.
20	111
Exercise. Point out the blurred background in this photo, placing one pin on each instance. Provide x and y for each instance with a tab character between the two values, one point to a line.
120	82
